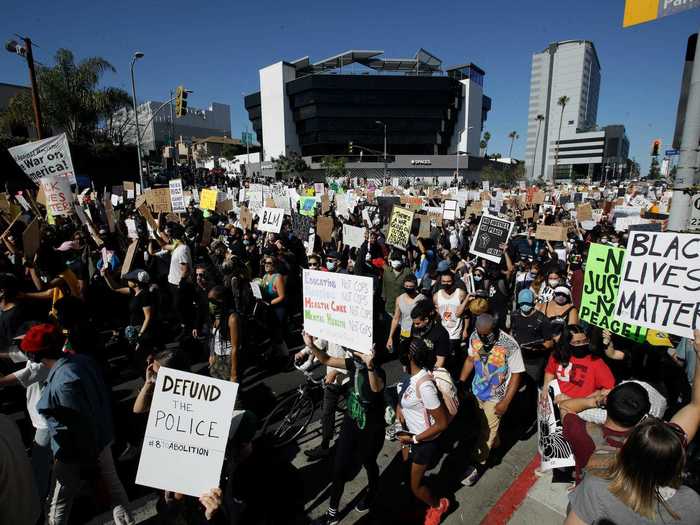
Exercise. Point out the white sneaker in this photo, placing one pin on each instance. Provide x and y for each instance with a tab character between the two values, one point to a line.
122	516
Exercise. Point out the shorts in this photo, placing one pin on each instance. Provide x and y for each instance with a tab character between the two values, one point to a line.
220	367
424	453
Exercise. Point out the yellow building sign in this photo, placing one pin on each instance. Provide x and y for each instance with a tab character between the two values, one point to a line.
641	11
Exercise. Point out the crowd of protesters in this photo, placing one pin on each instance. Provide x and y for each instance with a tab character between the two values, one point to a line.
479	343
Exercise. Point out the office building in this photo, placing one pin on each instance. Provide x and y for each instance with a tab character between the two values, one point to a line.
564	69
157	129
343	104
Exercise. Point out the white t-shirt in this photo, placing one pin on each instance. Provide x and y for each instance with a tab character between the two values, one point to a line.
32	377
180	255
414	407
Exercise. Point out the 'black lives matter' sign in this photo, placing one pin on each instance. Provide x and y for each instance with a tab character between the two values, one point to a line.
491	234
660	286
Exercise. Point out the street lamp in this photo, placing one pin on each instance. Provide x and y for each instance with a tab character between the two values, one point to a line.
138	55
385	159
26	51
459	152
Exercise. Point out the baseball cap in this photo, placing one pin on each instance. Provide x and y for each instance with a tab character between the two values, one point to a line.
443	266
526	297
43	336
138	276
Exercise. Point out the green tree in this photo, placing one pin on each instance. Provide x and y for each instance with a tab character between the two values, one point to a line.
70	97
513	136
563	101
490	173
228	151
485	142
334	166
290	165
654	170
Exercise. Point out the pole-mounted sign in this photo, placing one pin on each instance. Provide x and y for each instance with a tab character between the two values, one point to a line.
641	11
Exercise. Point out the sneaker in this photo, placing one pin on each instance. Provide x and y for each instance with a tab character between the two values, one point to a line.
364	504
317	453
130	452
326	519
471	476
434	514
122	516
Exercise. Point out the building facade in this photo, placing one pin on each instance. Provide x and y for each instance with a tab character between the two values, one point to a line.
158	129
564	69
343	104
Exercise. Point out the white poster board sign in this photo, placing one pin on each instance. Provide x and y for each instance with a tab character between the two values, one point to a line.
492	232
59	197
660	282
188	428
353	236
449	210
338	308
43	158
555	451
177	197
270	219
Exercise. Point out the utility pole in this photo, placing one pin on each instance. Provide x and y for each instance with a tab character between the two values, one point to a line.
138	55
688	160
26	51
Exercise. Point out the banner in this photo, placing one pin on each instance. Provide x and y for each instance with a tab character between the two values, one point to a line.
555	451
188	428
177	198
338	308
43	158
600	286
353	236
660	282
207	199
271	220
492	232
400	227
58	195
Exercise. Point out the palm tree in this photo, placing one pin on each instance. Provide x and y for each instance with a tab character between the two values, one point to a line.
513	136
539	119
487	137
563	101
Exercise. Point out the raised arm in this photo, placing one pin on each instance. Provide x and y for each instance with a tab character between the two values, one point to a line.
688	417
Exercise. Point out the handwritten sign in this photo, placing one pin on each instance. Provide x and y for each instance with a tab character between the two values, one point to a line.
307	206
324	228
177	197
188	428
59	197
45	158
600	287
400	227
353	236
338	308
450	210
660	282
491	233
271	220
159	200
207	199
551	233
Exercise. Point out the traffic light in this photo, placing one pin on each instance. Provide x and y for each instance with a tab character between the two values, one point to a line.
349	147
180	102
655	147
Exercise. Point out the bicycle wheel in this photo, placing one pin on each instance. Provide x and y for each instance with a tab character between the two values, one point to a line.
288	420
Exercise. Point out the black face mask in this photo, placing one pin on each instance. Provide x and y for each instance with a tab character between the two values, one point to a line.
579	350
411	291
488	341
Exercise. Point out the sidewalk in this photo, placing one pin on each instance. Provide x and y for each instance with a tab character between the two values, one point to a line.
544	504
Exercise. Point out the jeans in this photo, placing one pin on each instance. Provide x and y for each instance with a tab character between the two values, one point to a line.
67	479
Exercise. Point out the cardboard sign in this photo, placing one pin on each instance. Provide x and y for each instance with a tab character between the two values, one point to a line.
551	233
400	225
129	258
584	212
527	214
449	210
271	220
492	232
410	200
538	197
31	238
129	189
353	236
146	214
324	228
338	308
325	204
45	158
59	197
159	200
177	197
424	228
187	431
659	288
109	211
600	287
224	206
207	199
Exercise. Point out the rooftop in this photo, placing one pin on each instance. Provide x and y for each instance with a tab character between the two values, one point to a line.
423	63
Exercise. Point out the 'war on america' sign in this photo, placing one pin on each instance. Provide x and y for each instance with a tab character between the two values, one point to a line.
187	431
43	158
660	287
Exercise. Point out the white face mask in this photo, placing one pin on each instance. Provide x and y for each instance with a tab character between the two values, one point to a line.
553	283
396	264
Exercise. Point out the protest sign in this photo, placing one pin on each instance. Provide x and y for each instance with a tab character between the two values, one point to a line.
492	232
319	188
555	451
325	204
485	185
660	282
109	211
271	220
177	198
59	197
207	232
424	228
307	206
129	258
246	218
449	210
31	237
158	200
44	158
646	227
224	206
338	308
353	236
187	432
301	225
551	233
527	214
600	287
584	212
410	200
207	199
146	214
434	213
400	227
538	197
129	190
324	228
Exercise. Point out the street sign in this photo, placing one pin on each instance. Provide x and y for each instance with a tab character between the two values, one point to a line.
694	221
672	152
641	11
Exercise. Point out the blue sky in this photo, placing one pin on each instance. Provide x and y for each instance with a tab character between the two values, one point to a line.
216	47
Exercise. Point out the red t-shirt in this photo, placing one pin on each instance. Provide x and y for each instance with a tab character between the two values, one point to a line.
582	377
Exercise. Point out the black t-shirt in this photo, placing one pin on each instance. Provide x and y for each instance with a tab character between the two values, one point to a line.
535	328
436	337
136	306
363	405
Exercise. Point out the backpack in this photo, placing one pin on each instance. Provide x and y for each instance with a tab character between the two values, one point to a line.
447	391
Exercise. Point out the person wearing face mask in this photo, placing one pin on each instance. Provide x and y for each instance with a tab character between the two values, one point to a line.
393	279
402	314
546	293
559	310
478	275
450	303
224	337
333	262
578	372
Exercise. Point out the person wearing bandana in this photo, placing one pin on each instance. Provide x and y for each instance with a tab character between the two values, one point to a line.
495	358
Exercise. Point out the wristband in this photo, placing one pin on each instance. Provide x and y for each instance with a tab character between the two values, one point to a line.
415	439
